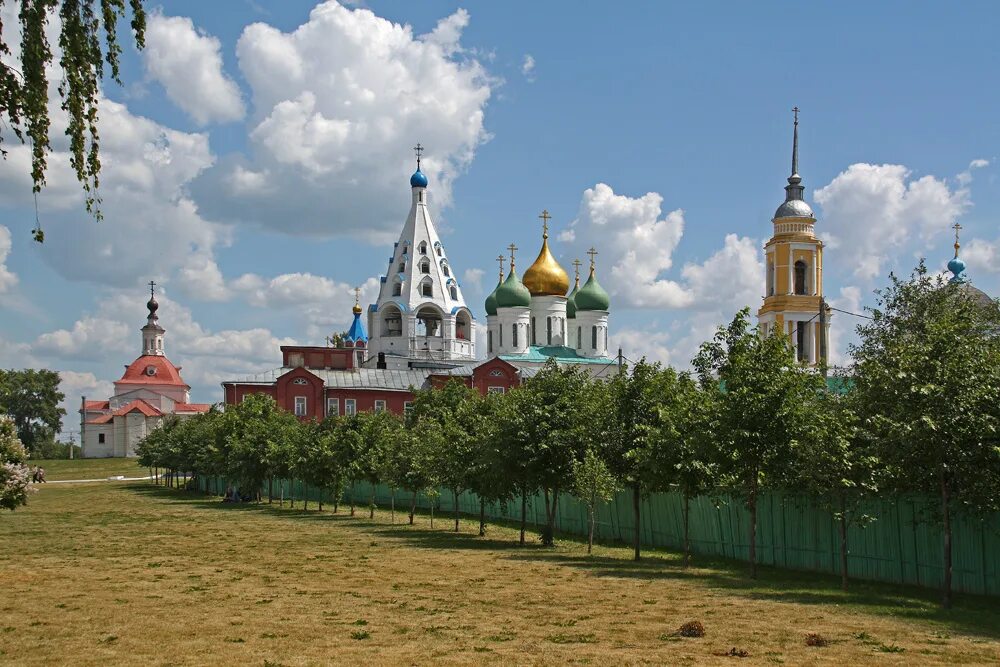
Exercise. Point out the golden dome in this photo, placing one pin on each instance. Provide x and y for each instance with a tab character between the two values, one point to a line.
545	277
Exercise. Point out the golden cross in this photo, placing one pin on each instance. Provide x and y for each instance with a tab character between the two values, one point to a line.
545	223
576	266
357	296
593	253
152	287
512	248
501	259
956	227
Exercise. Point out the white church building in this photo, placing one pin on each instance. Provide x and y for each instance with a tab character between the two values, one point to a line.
150	389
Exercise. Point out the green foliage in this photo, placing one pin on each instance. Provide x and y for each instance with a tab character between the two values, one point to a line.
593	481
15	481
31	398
24	87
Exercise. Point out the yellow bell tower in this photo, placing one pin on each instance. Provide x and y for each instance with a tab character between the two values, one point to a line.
793	301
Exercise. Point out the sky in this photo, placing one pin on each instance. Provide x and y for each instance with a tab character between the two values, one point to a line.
256	164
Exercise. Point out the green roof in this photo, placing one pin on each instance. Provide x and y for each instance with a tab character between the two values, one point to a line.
571	301
592	296
513	293
491	300
561	353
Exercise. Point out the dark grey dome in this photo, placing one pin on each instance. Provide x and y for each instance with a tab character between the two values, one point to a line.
794	208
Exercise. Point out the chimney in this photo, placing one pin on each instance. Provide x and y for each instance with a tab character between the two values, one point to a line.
381	361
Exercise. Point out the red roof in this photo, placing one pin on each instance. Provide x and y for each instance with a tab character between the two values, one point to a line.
192	407
152	369
103	419
96	405
140	405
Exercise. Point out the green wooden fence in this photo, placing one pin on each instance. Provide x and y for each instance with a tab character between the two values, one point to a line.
903	544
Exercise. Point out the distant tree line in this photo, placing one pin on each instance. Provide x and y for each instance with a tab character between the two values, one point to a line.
920	415
31	398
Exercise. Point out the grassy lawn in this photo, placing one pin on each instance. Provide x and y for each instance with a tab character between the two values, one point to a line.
132	573
89	468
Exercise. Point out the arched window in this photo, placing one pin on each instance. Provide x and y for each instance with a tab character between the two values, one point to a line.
445	270
402	266
513	335
605	338
800	340
454	293
429	322
425	266
422	247
593	338
489	342
800	277
579	337
534	340
427	289
500	333
440	252
392	321
548	331
770	278
397	288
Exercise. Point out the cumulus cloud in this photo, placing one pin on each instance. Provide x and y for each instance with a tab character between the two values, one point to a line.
873	210
842	325
966	176
472	280
981	255
73	385
528	67
8	279
188	63
338	102
92	337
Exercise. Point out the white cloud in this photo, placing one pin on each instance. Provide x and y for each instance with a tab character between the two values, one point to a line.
528	67
338	103
8	279
653	344
733	277
966	176
472	281
188	63
873	210
842	325
73	385
981	255
94	338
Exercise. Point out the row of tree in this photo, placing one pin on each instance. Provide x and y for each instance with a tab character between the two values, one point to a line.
31	399
918	414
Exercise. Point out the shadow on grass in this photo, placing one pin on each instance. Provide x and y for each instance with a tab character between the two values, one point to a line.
972	614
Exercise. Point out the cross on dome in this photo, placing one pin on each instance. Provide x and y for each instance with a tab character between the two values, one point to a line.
419	150
576	267
512	249
545	223
593	253
957	227
500	260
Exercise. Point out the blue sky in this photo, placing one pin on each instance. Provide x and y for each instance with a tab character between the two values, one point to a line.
258	156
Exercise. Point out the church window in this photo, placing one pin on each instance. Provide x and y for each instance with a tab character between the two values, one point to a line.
425	266
579	337
350	407
397	288
300	381
454	293
427	289
150	370
445	270
402	267
428	322
100	438
534	341
440	252
770	278
513	329
496	373
800	341
392	322
360	354
380	406
548	331
500	332
489	342
494	390
605	338
423	247
593	338
300	406
800	277
332	407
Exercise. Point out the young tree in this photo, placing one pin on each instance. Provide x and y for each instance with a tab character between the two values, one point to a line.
836	466
593	483
31	398
509	451
632	426
259	426
760	408
15	479
486	470
377	431
927	377
24	86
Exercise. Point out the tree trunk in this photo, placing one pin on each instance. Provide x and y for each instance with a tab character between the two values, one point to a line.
687	521
524	513
352	498
281	500
305	497
753	529
432	513
592	511
371	504
291	492
270	490
392	506
946	519
321	499
843	541
454	495
482	517
156	476
637	533
547	540
413	506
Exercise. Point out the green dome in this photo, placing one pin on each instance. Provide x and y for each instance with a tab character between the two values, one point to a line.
491	300
571	300
512	294
592	296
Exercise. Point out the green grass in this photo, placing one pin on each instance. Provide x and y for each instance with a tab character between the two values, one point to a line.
56	469
132	573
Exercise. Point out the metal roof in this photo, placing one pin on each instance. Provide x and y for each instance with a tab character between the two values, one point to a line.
372	378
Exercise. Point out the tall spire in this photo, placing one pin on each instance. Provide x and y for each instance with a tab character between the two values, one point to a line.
794	189
152	333
152	305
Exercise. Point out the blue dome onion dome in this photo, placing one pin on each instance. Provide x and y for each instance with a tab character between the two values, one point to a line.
512	293
957	267
357	333
418	180
591	296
